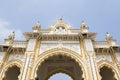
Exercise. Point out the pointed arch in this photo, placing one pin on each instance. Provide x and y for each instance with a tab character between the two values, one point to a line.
65	52
109	65
11	64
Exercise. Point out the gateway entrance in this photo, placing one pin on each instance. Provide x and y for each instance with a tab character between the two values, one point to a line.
59	64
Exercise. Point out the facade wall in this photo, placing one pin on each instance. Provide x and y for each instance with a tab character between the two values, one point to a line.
90	55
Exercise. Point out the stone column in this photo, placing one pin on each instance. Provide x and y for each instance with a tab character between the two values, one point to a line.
92	64
90	59
26	64
28	55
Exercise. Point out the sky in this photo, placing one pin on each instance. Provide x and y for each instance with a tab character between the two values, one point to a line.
21	15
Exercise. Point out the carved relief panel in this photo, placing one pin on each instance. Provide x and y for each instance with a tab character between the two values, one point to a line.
17	56
103	56
72	45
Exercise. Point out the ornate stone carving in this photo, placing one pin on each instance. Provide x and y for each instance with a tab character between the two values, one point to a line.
88	45
47	45
118	56
108	37
103	57
60	30
17	56
31	45
12	36
2	54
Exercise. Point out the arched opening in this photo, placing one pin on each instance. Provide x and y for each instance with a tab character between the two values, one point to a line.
60	76
12	73
106	73
59	64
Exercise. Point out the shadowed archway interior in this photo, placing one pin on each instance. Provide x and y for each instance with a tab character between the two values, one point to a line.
59	64
12	73
107	73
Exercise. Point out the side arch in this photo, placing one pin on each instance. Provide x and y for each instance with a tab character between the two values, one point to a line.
10	64
65	52
110	66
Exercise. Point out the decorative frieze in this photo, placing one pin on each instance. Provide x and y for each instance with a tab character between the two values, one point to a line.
21	44
47	45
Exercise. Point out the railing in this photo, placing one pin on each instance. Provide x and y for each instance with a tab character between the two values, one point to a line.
22	44
100	44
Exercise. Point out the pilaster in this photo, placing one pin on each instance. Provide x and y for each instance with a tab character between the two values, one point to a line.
30	51
90	59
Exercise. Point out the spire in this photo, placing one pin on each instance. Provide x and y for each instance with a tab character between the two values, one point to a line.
84	28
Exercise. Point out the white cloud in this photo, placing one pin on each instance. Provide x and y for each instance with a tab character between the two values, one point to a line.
5	31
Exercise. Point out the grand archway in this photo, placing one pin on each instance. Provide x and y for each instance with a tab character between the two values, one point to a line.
59	63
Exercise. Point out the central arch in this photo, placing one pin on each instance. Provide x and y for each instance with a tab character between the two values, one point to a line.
53	53
59	63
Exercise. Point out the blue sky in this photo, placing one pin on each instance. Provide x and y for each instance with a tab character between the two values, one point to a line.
20	16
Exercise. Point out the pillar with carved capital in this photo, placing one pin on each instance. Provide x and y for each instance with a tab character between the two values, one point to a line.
28	56
90	59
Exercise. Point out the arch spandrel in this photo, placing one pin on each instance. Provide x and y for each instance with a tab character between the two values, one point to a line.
110	65
10	64
65	52
49	45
